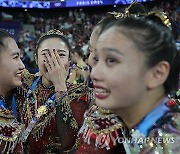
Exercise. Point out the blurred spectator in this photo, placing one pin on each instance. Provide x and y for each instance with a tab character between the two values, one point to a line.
76	24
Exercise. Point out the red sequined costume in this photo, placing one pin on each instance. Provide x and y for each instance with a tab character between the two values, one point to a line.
44	134
100	133
10	133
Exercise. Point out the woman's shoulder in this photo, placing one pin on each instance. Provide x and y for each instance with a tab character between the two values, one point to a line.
165	137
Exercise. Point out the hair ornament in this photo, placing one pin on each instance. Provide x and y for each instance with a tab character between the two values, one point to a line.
163	16
53	32
125	14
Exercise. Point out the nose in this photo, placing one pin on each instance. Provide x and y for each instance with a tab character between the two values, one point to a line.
97	72
21	65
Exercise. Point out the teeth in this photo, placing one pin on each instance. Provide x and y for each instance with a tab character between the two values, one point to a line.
97	90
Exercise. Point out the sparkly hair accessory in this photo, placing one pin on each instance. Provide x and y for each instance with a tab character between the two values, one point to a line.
49	33
162	15
53	32
125	14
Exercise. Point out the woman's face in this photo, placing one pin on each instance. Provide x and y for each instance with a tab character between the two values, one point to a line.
119	73
45	47
11	66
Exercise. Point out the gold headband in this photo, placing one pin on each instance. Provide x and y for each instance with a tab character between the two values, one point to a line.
52	32
49	33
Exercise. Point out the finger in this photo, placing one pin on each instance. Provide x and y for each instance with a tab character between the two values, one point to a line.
58	58
48	67
53	57
49	60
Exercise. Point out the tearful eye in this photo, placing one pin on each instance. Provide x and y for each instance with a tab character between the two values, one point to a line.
111	61
61	55
16	56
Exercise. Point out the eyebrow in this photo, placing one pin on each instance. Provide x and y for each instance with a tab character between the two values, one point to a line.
57	50
44	50
112	50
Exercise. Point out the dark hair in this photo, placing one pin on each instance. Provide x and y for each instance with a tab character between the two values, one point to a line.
155	40
103	22
136	8
3	34
175	29
78	50
48	36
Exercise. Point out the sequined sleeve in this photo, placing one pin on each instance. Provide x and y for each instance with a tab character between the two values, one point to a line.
164	139
168	137
69	115
10	133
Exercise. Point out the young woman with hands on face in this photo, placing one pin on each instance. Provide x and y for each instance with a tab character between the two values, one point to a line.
60	105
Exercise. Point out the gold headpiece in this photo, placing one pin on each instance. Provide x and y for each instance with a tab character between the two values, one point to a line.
50	32
124	14
162	15
54	31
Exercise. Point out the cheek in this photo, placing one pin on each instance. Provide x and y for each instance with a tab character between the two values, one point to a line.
11	66
40	63
118	79
65	62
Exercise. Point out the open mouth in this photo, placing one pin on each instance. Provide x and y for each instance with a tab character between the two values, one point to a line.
102	93
19	76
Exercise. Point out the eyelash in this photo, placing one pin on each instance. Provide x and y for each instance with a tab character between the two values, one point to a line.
62	55
59	54
109	61
15	57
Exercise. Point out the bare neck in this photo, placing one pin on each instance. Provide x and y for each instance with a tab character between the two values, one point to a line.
134	114
3	91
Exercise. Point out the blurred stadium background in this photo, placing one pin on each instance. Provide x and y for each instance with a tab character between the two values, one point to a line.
26	20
